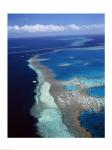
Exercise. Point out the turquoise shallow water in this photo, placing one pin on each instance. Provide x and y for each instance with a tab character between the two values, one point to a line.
70	63
70	87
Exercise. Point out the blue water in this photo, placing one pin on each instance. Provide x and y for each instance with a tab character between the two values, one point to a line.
94	122
86	63
96	91
85	59
20	97
19	44
70	87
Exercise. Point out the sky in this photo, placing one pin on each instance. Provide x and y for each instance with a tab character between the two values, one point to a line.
32	25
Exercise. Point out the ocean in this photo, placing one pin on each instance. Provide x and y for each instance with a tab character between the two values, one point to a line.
68	57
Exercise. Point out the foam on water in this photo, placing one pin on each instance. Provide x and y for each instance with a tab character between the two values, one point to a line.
50	123
47	100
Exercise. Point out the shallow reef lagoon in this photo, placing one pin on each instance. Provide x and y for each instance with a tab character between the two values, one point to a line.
68	57
70	87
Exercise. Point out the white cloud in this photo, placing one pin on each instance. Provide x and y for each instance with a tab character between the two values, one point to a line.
36	28
73	27
93	26
53	28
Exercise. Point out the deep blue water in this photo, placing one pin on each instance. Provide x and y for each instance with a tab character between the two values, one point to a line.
80	61
20	98
94	122
51	42
97	91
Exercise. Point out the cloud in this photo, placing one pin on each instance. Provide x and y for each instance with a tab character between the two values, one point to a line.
36	28
73	27
39	28
93	26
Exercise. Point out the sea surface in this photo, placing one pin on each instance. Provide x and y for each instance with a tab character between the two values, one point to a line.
68	57
94	122
97	91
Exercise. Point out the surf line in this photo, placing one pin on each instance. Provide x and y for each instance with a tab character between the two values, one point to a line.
49	118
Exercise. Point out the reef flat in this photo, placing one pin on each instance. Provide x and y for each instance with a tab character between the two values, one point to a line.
58	109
